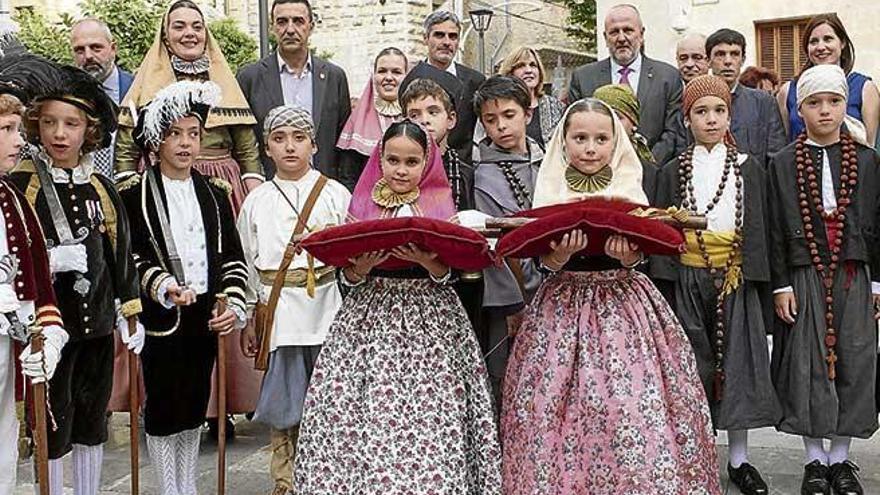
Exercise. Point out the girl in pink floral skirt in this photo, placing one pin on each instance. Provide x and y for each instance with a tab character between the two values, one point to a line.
601	394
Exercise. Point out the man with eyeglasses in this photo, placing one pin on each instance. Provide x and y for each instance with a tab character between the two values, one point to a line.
442	36
690	54
292	76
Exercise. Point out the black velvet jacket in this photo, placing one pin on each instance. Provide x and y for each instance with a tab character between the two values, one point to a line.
861	236
94	207
227	272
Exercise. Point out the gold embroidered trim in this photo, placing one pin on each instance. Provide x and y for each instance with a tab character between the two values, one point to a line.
588	183
385	197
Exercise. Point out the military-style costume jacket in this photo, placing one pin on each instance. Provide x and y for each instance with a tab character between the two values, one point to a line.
227	272
94	212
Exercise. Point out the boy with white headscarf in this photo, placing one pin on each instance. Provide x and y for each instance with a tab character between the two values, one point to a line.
825	265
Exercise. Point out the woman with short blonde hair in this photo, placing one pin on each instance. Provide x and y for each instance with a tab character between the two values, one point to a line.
525	63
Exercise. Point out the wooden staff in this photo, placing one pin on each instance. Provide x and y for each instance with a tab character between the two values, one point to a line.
220	308
496	226
38	392
133	410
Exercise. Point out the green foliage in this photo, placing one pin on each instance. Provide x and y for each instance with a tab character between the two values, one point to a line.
582	23
238	47
133	24
41	37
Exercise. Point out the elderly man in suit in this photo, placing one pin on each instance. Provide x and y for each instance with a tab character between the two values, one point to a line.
94	51
442	35
690	55
292	76
656	84
755	121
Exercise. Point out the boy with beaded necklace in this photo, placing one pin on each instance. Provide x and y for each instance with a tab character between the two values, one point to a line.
825	264
506	166
721	281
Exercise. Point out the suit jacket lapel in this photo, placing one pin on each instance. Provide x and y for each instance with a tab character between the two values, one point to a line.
646	80
273	81
604	73
319	86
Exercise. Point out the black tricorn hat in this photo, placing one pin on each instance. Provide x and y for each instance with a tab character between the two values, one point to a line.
81	89
26	76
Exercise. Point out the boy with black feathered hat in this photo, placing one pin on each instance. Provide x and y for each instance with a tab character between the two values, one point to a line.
87	237
187	251
26	295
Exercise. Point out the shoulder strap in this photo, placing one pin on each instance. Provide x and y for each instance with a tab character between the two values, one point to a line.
290	250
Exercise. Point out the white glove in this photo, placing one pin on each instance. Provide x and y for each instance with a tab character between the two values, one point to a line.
8	268
54	338
8	299
134	342
68	259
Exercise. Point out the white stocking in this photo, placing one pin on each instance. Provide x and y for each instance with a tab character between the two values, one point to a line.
87	461
164	457
187	445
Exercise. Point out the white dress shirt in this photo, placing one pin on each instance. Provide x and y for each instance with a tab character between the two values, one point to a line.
188	230
708	169
635	71
296	89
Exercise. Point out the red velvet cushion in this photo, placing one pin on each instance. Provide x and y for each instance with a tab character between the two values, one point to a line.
456	246
533	239
599	203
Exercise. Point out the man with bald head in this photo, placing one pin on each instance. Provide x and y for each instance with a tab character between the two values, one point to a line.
690	54
94	51
656	84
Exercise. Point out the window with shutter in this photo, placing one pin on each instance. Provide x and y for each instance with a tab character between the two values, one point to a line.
779	45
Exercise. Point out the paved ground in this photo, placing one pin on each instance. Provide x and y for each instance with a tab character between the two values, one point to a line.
778	456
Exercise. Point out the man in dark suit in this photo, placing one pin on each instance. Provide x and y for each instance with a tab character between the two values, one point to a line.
442	31
755	121
656	84
293	76
94	51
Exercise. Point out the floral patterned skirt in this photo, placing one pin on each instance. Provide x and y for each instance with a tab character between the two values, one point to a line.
602	394
399	401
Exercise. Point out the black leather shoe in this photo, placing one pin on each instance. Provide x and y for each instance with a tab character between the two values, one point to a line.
845	479
815	479
747	479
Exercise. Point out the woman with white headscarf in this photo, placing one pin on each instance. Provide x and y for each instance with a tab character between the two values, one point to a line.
601	394
825	268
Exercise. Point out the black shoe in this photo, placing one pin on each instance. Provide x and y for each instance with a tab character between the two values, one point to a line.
815	479
214	430
845	479
747	479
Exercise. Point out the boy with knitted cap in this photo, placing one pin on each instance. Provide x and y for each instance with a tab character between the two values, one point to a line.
295	298
721	279
825	264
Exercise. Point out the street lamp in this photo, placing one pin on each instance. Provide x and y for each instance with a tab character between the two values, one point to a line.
480	19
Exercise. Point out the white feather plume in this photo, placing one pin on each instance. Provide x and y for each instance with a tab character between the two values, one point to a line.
174	102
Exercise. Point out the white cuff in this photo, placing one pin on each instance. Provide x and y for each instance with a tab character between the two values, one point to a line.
162	293
55	336
240	317
253	175
782	290
875	288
